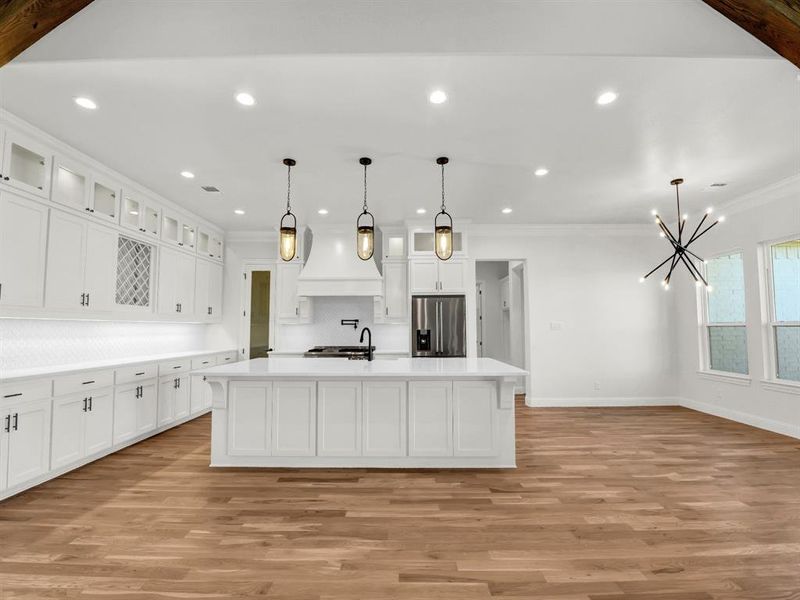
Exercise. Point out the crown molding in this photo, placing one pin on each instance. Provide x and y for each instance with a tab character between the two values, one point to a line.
261	235
621	230
774	192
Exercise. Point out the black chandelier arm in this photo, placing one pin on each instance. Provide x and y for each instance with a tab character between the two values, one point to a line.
702	233
700	258
668	233
693	270
671	268
659	266
699	225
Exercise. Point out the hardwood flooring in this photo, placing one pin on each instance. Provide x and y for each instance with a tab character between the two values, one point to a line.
607	504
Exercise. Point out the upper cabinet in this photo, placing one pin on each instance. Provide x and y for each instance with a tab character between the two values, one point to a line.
394	243
209	244
432	276
26	164
178	230
422	242
292	308
104	199
23	244
140	213
76	186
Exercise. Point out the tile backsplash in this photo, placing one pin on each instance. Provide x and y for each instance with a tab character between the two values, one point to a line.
32	343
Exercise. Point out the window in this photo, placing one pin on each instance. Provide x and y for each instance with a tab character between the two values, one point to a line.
724	328
784	326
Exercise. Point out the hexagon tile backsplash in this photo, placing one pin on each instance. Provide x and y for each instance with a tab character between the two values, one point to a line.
31	343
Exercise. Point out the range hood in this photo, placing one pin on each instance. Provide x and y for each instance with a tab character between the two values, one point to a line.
333	267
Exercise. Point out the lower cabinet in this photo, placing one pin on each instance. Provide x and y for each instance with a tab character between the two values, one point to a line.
173	399
430	418
135	410
82	426
339	418
250	419
384	418
474	426
294	418
200	397
24	442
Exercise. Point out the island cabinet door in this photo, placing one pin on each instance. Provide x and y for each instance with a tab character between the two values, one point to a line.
249	419
339	418
384	418
430	418
294	418
474	409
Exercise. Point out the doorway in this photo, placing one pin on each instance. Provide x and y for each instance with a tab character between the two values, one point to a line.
257	327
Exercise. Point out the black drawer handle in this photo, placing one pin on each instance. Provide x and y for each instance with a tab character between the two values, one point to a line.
137	374
177	367
87	382
13	395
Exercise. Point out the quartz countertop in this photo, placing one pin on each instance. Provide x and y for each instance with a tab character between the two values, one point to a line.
10	375
338	368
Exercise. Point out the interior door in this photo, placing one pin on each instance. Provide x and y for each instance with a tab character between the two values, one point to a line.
101	268
23	250
99	422
65	261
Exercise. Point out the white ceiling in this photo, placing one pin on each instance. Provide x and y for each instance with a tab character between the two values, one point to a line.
699	99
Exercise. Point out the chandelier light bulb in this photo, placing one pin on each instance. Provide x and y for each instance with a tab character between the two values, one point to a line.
666	287
654	212
709	288
661	234
685	216
709	210
641	279
721	219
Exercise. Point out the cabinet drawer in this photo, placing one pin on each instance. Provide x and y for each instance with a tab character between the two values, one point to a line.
227	357
88	380
204	362
26	390
136	373
174	366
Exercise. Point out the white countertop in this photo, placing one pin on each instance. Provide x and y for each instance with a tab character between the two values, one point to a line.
329	368
16	374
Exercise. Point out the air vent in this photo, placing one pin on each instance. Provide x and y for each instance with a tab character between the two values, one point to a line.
210	188
718	184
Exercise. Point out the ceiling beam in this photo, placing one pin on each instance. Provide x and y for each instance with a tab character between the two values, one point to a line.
775	22
23	22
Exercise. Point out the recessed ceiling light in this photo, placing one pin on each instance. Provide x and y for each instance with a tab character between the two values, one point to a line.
606	98
187	174
541	172
85	103
421	211
238	211
323	211
245	99
437	97
718	184
506	211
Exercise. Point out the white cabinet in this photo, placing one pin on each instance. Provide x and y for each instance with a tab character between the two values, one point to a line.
393	243
505	293
23	247
395	291
436	276
339	418
384	418
81	264
474	427
291	307
24	442
104	198
140	213
430	420
200	398
294	419
175	282
209	244
71	184
135	410
26	164
173	399
250	419
208	290
82	426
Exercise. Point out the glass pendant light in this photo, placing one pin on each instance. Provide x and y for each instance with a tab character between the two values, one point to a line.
365	230
288	234
443	231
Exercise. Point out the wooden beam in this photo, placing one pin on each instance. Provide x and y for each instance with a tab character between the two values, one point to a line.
23	22
774	22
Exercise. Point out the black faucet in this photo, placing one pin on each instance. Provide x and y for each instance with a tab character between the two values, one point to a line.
369	342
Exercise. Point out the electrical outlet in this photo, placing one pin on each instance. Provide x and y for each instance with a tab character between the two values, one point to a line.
596	386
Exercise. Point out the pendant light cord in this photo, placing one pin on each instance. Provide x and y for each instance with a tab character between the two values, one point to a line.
288	189
443	207
365	190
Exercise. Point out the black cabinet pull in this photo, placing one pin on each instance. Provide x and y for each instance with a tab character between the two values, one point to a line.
179	383
8	423
85	400
90	404
176	367
88	382
16	422
83	299
13	395
87	295
137	374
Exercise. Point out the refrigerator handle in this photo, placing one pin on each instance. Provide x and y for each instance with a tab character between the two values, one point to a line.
439	327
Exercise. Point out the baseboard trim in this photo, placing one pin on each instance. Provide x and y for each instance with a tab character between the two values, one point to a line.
742	417
600	402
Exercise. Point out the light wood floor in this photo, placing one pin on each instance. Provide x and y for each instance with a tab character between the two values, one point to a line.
607	504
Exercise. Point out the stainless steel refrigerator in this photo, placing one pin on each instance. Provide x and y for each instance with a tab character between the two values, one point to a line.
438	326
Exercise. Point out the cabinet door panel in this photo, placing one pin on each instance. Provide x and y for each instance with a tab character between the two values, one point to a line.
99	423
339	418
29	443
294	419
384	418
101	268
215	292
474	404
250	419
451	276
125	413
65	261
430	420
185	283
68	425
424	276
395	280
147	409
202	282
182	400
27	164
167	281
23	247
166	401
3	450
288	308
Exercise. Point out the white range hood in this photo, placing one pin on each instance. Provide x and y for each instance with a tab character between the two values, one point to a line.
333	267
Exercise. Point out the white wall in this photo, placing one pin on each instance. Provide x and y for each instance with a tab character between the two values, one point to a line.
764	216
595	335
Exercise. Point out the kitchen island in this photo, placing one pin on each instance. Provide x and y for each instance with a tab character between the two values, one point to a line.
386	413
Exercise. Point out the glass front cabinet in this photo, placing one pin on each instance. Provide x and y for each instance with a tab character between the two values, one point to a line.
140	213
26	164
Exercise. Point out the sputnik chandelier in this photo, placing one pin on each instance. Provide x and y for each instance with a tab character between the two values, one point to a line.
680	248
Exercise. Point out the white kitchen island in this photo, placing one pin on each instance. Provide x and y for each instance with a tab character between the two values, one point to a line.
390	413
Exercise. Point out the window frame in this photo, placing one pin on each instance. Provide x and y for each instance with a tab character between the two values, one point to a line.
704	322
769	320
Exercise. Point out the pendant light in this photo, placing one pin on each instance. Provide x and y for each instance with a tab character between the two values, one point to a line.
365	230
288	234
443	232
